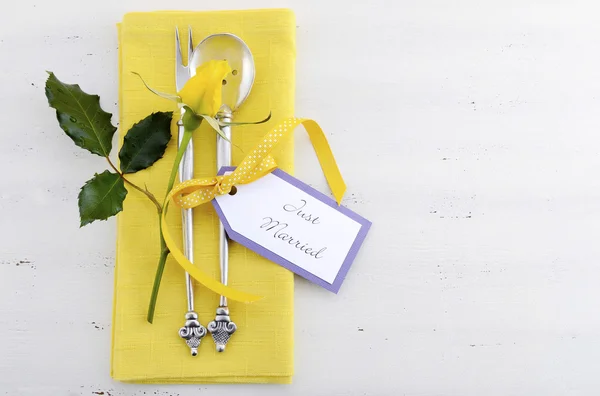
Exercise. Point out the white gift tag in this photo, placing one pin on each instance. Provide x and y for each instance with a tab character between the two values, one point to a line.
294	225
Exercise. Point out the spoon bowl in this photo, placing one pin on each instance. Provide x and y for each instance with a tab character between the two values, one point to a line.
226	46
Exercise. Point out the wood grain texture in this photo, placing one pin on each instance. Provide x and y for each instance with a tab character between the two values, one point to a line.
476	122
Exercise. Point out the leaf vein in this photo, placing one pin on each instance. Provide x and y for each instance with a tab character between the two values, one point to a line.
94	207
84	112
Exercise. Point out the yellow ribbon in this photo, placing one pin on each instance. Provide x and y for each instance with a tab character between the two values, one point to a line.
255	165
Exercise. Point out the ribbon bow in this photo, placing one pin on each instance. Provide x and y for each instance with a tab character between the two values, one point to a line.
255	165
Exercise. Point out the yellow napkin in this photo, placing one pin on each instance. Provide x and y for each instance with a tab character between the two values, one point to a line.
261	350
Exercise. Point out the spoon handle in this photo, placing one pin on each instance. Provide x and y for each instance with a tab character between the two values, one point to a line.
224	159
222	327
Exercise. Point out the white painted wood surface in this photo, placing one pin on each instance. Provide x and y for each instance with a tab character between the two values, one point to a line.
467	132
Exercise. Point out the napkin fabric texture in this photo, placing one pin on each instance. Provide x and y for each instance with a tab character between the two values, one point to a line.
261	350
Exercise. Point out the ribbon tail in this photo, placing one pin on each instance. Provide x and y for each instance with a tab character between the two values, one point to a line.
197	274
326	159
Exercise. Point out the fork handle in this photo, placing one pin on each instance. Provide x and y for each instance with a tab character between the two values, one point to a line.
186	172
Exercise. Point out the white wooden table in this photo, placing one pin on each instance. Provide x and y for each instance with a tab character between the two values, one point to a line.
467	132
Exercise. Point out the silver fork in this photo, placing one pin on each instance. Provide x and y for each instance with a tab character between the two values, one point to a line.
192	332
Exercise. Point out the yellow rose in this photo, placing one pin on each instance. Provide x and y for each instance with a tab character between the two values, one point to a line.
202	92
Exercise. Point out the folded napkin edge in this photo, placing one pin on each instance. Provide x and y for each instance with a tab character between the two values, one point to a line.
225	379
133	14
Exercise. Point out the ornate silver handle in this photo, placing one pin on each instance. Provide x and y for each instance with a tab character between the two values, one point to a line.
192	332
222	327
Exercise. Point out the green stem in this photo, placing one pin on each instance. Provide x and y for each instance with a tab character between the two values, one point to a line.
164	250
187	136
145	192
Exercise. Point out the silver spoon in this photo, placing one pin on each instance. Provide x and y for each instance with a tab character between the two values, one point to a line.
236	88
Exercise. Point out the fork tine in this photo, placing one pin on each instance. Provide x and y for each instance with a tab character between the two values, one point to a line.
190	46
178	57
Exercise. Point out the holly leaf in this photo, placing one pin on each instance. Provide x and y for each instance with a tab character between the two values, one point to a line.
80	116
146	142
101	197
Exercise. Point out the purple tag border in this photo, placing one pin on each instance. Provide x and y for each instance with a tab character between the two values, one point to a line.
360	237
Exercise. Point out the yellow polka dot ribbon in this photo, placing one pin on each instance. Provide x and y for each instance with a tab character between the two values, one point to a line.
255	165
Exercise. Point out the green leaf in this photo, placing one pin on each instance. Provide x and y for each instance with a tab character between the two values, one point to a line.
101	197
215	125
80	116
222	123
146	142
192	121
174	98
